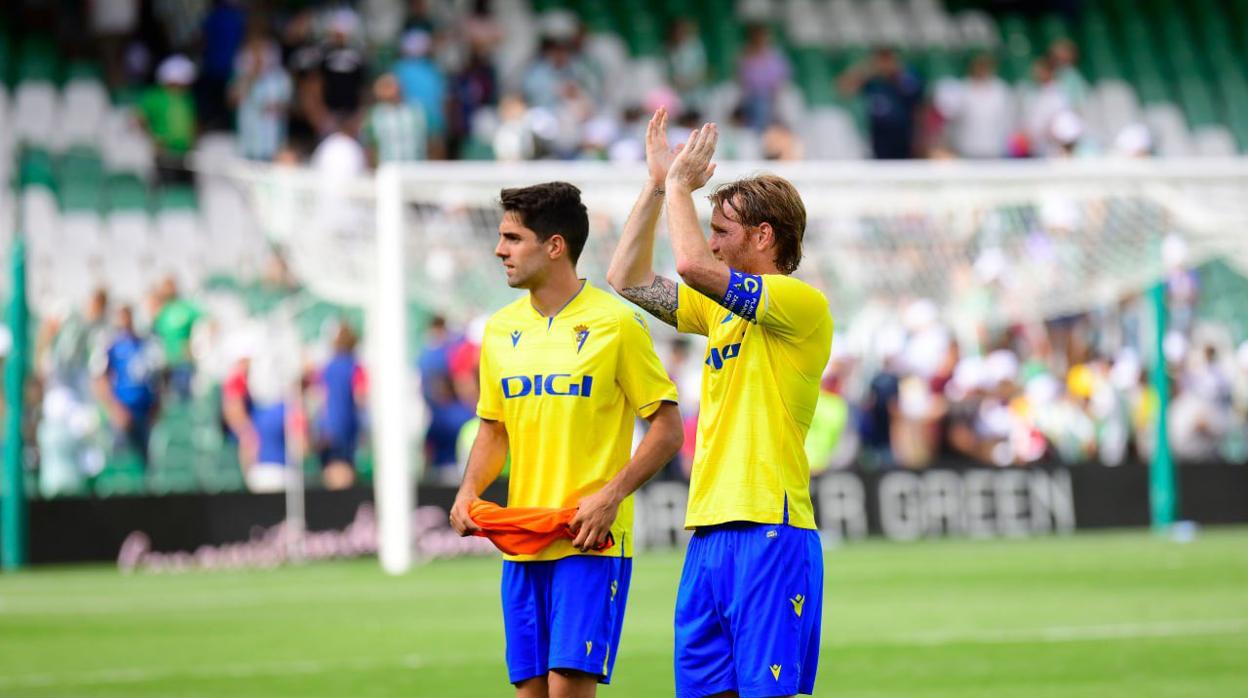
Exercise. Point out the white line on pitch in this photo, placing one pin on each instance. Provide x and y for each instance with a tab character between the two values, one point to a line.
237	671
1066	633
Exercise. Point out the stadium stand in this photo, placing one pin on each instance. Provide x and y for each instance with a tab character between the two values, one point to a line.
1148	77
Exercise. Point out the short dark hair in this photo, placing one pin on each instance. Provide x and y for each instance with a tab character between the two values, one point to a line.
549	209
769	199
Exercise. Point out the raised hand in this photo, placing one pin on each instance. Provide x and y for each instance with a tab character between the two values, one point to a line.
659	154
692	168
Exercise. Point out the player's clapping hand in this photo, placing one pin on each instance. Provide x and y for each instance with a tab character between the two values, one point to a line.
593	520
659	154
460	520
692	168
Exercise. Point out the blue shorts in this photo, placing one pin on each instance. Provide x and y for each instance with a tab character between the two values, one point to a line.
564	614
748	612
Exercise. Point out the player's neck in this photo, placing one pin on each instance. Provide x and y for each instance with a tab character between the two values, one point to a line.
558	290
760	268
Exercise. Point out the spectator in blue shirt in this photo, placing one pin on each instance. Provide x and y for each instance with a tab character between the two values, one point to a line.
344	389
422	83
892	93
125	385
222	34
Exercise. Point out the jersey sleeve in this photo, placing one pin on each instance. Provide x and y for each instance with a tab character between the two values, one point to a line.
639	372
693	310
490	402
790	307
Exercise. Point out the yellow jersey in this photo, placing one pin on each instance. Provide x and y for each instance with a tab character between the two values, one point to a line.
567	388
767	347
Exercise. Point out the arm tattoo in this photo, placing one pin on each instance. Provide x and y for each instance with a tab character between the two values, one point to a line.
658	299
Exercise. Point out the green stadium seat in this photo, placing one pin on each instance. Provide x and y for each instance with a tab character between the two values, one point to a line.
36	168
176	197
122	475
38	60
173	453
1018	48
1047	29
126	192
83	70
6	63
1197	101
80	197
81	165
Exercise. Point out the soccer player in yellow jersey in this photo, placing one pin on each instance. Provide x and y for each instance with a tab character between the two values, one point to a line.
750	598
564	369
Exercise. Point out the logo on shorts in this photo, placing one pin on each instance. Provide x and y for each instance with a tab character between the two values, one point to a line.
614	586
798	601
589	647
775	671
580	333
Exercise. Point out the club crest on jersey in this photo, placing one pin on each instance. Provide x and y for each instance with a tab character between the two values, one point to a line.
515	338
580	333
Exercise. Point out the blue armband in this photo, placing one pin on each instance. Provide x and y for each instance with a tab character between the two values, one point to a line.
743	294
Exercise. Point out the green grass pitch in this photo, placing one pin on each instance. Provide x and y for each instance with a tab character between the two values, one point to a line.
1090	616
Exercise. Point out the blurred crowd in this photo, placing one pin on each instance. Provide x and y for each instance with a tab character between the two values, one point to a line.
906	390
980	115
107	374
348	86
1078	389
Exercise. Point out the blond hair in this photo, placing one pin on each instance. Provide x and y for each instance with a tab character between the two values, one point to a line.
769	199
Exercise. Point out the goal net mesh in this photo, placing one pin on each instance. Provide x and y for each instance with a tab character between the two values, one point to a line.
989	244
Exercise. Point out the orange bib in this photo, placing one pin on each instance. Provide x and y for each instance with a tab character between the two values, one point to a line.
525	530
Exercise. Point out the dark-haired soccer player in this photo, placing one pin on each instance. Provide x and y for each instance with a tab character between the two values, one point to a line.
564	369
750	599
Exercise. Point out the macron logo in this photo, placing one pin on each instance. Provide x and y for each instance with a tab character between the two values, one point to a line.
515	338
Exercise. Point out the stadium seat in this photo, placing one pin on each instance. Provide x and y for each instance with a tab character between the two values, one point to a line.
40	216
4	111
36	169
35	113
179	239
84	103
38	59
830	133
805	25
848	23
978	30
124	147
756	10
1117	105
1214	141
123	476
1166	122
173	455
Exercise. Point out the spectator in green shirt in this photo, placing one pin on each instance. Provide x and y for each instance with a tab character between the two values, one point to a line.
394	130
168	111
173	325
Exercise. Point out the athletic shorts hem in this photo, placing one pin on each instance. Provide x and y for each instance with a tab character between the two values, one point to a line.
769	691
519	677
703	692
581	666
